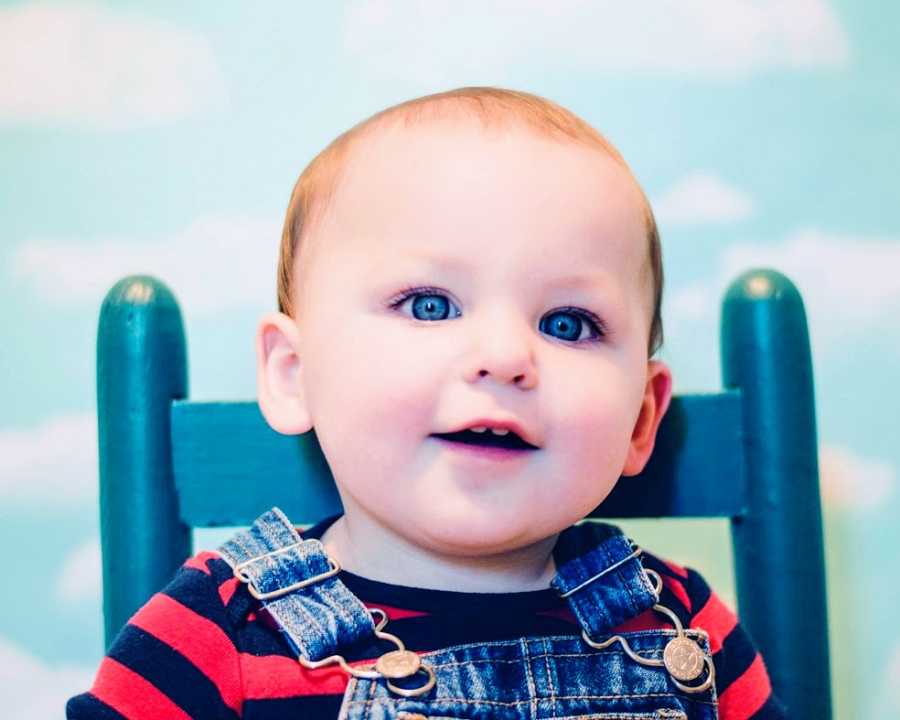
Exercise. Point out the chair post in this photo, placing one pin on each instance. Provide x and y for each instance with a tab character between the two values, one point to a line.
141	368
766	355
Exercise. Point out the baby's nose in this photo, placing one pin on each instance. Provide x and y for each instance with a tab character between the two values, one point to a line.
505	354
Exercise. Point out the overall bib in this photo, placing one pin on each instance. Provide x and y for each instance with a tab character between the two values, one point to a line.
661	673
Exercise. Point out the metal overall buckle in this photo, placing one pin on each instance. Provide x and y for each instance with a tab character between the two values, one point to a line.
392	665
682	657
251	588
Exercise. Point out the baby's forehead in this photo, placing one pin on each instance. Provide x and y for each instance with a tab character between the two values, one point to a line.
388	151
435	193
445	166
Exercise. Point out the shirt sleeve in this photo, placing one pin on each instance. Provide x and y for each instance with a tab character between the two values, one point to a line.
175	658
742	681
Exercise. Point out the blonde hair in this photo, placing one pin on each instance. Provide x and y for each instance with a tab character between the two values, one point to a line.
315	188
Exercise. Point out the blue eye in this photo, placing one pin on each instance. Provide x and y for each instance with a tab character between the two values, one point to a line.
569	321
430	307
431	304
428	303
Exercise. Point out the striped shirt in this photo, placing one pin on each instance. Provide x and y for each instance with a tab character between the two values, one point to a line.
203	647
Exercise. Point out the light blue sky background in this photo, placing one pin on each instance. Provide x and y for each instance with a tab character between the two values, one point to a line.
165	137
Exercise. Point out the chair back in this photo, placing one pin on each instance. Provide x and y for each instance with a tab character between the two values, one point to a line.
747	453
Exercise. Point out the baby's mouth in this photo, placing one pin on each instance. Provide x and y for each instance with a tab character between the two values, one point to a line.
510	441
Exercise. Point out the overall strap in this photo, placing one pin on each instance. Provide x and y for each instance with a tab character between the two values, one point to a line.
601	576
298	585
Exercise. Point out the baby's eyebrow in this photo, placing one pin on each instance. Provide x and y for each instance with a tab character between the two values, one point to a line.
577	280
587	281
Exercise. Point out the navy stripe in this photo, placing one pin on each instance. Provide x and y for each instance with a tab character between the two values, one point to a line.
171	673
425	633
733	658
666	597
86	706
651	561
698	591
259	639
200	592
313	707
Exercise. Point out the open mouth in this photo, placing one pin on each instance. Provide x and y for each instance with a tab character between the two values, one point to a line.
510	441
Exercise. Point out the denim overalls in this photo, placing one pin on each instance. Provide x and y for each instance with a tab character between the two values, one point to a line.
598	675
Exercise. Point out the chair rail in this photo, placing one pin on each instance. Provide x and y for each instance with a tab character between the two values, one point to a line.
230	466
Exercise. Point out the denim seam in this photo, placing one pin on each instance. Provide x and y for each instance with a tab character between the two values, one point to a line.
549	672
615	716
650	653
291	530
347	698
370	703
623	580
326	589
609	559
532	691
671	632
307	616
516	703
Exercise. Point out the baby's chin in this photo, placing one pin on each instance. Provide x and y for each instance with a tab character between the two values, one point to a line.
474	536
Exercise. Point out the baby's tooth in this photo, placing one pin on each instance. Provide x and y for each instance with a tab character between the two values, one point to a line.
499	431
479	429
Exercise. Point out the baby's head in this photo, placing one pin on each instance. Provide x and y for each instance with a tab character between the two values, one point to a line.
473	256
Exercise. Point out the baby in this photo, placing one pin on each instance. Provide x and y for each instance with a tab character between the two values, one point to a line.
469	290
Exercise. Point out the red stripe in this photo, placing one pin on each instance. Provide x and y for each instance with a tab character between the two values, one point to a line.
746	694
717	619
227	588
647	620
276	676
563	613
130	695
678	591
198	562
180	627
675	568
395	613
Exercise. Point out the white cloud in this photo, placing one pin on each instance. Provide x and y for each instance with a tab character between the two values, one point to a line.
701	197
846	275
34	690
81	577
848	283
691	302
441	43
54	463
851	481
87	65
212	265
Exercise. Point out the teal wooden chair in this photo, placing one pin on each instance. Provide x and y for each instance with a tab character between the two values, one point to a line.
747	453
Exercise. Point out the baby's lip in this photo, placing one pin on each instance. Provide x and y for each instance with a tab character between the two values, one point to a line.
507	423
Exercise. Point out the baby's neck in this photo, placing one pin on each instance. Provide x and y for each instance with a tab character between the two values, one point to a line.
377	554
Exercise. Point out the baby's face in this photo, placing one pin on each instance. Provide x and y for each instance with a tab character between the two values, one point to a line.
507	237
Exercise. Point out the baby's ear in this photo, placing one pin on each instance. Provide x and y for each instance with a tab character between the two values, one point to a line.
657	394
279	370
